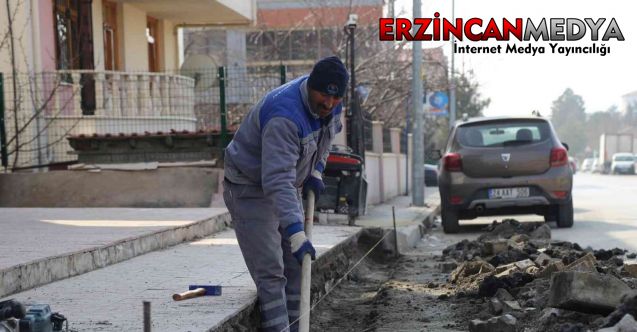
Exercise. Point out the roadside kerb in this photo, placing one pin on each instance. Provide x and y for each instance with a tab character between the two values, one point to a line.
409	236
40	272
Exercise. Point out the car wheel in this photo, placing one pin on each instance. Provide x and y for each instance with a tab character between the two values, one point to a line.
565	215
449	220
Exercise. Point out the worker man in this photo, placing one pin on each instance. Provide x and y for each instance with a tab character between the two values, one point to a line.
280	148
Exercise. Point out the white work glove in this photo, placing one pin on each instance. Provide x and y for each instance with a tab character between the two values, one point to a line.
299	243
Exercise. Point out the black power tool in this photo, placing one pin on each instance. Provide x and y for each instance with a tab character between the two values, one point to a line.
15	317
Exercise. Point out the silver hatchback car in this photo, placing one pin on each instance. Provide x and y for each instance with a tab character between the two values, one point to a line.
505	166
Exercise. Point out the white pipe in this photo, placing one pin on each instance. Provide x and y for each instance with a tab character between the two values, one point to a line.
306	268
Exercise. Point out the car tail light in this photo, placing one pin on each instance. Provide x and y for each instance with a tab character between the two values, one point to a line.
559	157
342	160
455	200
452	162
560	194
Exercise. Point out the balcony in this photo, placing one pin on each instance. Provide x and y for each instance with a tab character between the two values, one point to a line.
87	102
219	12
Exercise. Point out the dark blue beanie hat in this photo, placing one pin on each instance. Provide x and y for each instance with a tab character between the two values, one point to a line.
330	76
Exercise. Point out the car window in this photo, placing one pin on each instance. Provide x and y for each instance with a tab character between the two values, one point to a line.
624	158
499	134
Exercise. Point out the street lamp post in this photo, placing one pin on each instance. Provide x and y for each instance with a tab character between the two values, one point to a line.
355	123
452	81
418	160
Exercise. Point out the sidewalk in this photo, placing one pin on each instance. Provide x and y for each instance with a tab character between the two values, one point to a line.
110	299
42	245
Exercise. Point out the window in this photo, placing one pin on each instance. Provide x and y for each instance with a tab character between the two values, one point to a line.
111	43
66	34
152	35
498	134
74	45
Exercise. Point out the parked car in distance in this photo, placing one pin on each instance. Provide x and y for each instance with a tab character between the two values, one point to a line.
623	163
587	165
431	175
573	163
503	166
597	167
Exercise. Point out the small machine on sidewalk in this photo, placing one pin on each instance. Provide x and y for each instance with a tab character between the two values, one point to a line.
345	184
16	317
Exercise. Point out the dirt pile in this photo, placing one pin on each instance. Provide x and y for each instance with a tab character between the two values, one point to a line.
527	282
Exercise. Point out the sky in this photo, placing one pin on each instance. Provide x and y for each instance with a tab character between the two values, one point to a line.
518	83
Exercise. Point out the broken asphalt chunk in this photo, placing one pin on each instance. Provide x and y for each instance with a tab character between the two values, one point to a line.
586	292
504	323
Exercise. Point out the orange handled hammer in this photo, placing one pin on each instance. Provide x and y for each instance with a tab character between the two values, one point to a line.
197	291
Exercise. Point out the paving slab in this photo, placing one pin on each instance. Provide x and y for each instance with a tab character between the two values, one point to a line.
110	299
41	245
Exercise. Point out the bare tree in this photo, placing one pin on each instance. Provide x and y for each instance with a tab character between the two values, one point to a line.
383	69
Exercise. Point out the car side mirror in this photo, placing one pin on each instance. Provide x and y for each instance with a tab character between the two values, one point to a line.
566	146
436	154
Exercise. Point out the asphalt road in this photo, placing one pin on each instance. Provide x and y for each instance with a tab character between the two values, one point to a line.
605	213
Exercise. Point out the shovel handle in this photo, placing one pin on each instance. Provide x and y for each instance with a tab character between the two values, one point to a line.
306	268
189	294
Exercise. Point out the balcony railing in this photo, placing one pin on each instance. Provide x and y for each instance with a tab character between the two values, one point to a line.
125	94
54	105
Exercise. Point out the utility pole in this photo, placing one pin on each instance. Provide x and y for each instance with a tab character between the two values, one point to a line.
355	122
452	81
418	160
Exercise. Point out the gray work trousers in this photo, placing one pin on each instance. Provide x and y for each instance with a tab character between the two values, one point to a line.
266	251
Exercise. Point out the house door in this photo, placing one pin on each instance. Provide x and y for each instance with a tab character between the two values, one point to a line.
152	34
111	58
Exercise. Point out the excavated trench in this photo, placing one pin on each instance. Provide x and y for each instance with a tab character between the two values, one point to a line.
512	278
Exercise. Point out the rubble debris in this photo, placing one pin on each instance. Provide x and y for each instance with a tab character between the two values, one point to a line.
631	269
583	264
547	285
470	269
542	259
627	307
510	306
495	306
509	227
604	255
504	323
626	324
491	283
503	295
586	292
552	267
509	256
495	247
542	232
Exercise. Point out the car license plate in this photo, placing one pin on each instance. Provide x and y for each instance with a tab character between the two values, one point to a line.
498	193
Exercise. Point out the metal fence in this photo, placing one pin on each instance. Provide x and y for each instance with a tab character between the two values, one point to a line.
38	112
